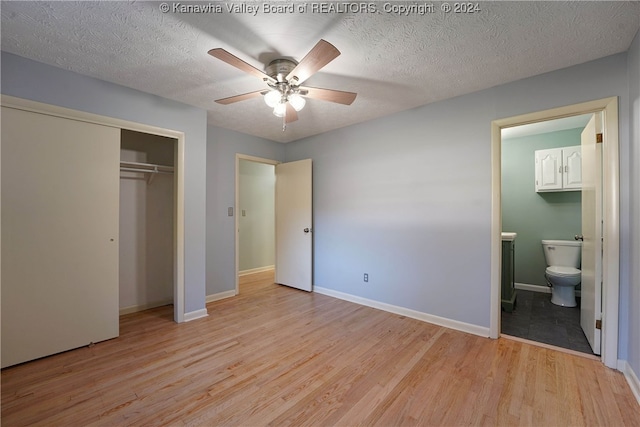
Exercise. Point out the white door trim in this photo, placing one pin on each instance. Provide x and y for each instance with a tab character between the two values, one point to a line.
237	207
54	110
611	214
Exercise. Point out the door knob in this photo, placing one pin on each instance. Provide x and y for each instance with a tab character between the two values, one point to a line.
306	230
579	237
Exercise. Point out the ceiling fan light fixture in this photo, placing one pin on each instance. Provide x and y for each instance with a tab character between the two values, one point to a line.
284	76
272	98
280	109
297	102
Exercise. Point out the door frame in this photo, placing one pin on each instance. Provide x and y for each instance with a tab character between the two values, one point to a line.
610	213
178	225
237	208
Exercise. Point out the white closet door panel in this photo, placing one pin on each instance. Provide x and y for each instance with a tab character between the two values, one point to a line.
60	185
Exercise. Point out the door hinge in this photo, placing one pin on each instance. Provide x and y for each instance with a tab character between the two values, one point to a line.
598	324
598	137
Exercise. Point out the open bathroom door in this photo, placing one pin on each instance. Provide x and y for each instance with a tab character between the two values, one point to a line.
591	287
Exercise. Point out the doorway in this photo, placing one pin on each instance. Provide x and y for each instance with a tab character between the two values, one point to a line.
610	179
255	216
533	214
293	217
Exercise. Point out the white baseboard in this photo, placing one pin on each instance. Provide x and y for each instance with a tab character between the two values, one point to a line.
441	321
256	270
142	307
193	315
631	376
220	295
534	288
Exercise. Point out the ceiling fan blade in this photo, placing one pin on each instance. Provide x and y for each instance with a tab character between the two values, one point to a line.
238	98
231	59
291	115
321	54
330	95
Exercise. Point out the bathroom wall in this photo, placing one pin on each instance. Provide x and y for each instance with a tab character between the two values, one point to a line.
536	216
257	215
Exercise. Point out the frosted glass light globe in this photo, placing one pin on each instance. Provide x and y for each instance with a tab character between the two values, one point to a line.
297	102
280	109
272	98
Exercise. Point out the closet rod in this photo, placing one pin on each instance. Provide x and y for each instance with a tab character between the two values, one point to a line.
144	167
144	170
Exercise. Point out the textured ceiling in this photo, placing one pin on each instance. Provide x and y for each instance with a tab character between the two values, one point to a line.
394	62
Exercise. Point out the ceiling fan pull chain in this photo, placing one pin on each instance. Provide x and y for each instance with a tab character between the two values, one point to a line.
284	122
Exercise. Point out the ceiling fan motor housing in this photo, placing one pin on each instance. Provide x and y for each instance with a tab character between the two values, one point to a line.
279	69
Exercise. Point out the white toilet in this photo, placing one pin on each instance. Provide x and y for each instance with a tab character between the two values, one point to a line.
562	273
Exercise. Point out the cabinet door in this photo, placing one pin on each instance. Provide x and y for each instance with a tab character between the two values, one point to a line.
548	169
572	163
60	198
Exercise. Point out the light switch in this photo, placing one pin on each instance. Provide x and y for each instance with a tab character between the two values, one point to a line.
230	211
244	213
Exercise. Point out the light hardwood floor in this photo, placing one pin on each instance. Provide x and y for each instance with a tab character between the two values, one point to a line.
279	356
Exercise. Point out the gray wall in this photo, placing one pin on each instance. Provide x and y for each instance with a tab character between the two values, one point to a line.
43	83
406	198
257	219
222	146
536	216
630	295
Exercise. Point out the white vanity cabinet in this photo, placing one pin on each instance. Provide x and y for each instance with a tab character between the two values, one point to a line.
558	169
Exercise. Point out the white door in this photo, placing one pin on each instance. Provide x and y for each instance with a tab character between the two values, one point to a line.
60	198
293	225
591	288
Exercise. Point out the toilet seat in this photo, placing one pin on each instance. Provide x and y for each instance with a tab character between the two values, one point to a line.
559	271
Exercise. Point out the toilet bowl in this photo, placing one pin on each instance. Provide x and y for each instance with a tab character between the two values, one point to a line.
562	272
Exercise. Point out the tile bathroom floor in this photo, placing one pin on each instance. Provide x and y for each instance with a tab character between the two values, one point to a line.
536	319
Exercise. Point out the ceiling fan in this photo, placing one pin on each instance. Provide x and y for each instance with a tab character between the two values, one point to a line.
284	77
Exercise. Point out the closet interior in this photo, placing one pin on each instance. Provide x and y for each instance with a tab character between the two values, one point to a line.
147	211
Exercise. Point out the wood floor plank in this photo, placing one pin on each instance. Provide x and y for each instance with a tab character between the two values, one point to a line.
278	356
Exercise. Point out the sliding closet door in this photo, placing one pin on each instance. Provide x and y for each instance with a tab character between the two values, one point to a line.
60	184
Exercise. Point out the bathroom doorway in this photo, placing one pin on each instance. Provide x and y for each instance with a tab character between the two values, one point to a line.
608	107
535	215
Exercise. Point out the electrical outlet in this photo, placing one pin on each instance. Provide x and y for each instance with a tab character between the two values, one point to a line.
366	277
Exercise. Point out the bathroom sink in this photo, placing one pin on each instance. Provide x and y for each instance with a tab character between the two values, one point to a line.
509	235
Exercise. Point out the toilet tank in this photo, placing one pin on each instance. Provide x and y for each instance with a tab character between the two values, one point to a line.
564	253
